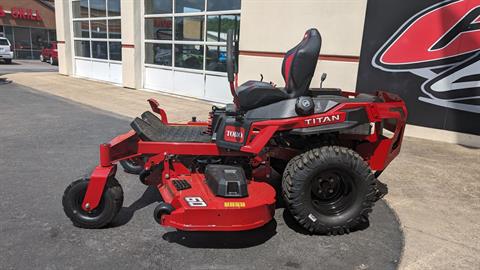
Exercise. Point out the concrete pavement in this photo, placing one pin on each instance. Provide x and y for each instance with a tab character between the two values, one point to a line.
112	98
434	187
26	66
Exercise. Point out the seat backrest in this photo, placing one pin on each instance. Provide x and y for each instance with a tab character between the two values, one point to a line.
299	64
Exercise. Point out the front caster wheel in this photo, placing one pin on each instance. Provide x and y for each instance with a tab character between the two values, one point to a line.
162	209
110	204
329	190
133	166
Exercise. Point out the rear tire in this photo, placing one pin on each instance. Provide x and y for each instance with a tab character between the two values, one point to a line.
8	61
329	190
109	206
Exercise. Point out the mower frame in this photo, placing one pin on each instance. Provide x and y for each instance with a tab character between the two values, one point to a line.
378	152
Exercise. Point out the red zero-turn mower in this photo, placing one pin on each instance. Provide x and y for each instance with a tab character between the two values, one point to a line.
217	175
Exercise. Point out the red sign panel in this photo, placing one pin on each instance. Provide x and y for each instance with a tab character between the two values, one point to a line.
22	13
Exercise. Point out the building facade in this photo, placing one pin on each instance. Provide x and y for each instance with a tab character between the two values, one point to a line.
178	46
28	24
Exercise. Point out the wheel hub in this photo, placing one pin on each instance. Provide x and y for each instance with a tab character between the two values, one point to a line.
331	192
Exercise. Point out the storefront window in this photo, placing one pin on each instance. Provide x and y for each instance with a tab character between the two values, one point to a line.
52	35
98	28
113	8
28	42
216	58
158	6
114	29
189	56
158	28
158	54
99	49
218	26
98	8
115	51
82	48
194	47
189	28
81	29
99	35
80	8
217	5
39	41
22	43
188	6
8	33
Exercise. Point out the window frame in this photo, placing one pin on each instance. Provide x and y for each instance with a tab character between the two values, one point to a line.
173	41
90	39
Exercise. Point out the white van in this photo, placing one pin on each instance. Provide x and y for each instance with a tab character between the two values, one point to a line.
6	53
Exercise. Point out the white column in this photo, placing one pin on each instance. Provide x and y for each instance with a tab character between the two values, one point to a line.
64	46
131	43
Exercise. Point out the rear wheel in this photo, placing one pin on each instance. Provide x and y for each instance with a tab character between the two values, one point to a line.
108	208
8	61
329	190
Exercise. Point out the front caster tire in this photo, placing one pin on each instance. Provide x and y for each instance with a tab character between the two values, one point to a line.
162	209
132	166
329	190
110	204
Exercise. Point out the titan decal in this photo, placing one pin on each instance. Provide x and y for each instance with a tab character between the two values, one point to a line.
329	119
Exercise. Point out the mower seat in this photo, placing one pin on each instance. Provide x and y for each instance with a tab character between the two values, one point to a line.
298	68
254	94
150	128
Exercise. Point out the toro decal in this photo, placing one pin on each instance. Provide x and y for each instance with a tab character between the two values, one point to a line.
325	120
441	44
234	134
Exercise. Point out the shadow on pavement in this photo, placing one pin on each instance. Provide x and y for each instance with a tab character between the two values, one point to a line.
223	240
149	196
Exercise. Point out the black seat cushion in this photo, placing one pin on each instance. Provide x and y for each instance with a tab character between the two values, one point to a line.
150	128
254	94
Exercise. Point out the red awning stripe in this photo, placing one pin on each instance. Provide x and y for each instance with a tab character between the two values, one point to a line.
326	57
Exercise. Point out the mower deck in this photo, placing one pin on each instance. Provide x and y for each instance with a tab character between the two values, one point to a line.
196	208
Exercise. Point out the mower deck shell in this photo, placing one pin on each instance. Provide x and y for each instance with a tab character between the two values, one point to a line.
217	213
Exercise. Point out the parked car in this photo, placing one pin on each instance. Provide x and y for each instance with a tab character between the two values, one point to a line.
6	50
49	53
